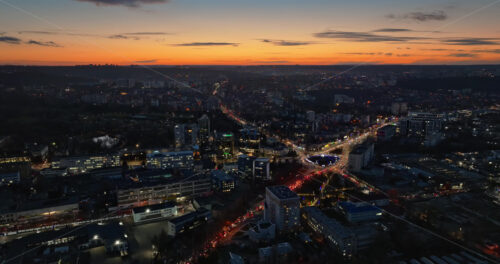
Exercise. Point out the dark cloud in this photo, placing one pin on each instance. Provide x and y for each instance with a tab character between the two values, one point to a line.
38	32
496	51
146	33
472	41
127	3
286	42
10	40
121	36
393	30
363	36
463	55
363	53
272	62
43	43
146	61
437	15
201	44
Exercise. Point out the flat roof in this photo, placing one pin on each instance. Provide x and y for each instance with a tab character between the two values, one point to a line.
282	192
357	207
154	207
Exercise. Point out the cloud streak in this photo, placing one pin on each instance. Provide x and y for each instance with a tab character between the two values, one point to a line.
364	36
127	3
286	42
463	55
437	15
205	44
43	43
146	61
472	41
10	40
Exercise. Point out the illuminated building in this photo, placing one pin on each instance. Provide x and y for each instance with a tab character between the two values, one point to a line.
249	140
169	160
148	192
204	129
39	210
186	135
420	124
154	212
261	169
84	164
225	146
337	235
245	164
282	207
222	181
188	221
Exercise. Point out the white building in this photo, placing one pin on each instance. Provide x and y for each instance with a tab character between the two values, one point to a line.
282	207
360	157
154	212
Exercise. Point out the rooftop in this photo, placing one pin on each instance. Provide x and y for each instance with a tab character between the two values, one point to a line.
282	192
154	207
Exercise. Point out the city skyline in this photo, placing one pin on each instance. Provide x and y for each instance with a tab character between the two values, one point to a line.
193	32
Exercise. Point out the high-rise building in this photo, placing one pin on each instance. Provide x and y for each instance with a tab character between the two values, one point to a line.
282	207
261	169
249	140
361	156
186	135
245	164
225	146
204	128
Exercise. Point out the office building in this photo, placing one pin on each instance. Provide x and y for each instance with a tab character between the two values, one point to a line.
225	146
261	169
282	208
188	221
170	160
154	212
420	124
186	135
337	235
249	140
361	156
245	164
222	182
143	193
360	212
204	129
84	164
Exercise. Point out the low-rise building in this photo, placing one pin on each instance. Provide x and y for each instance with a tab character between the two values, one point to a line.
154	212
360	212
190	220
170	160
337	235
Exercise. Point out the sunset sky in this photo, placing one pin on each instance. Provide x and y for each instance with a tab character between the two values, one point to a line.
189	32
